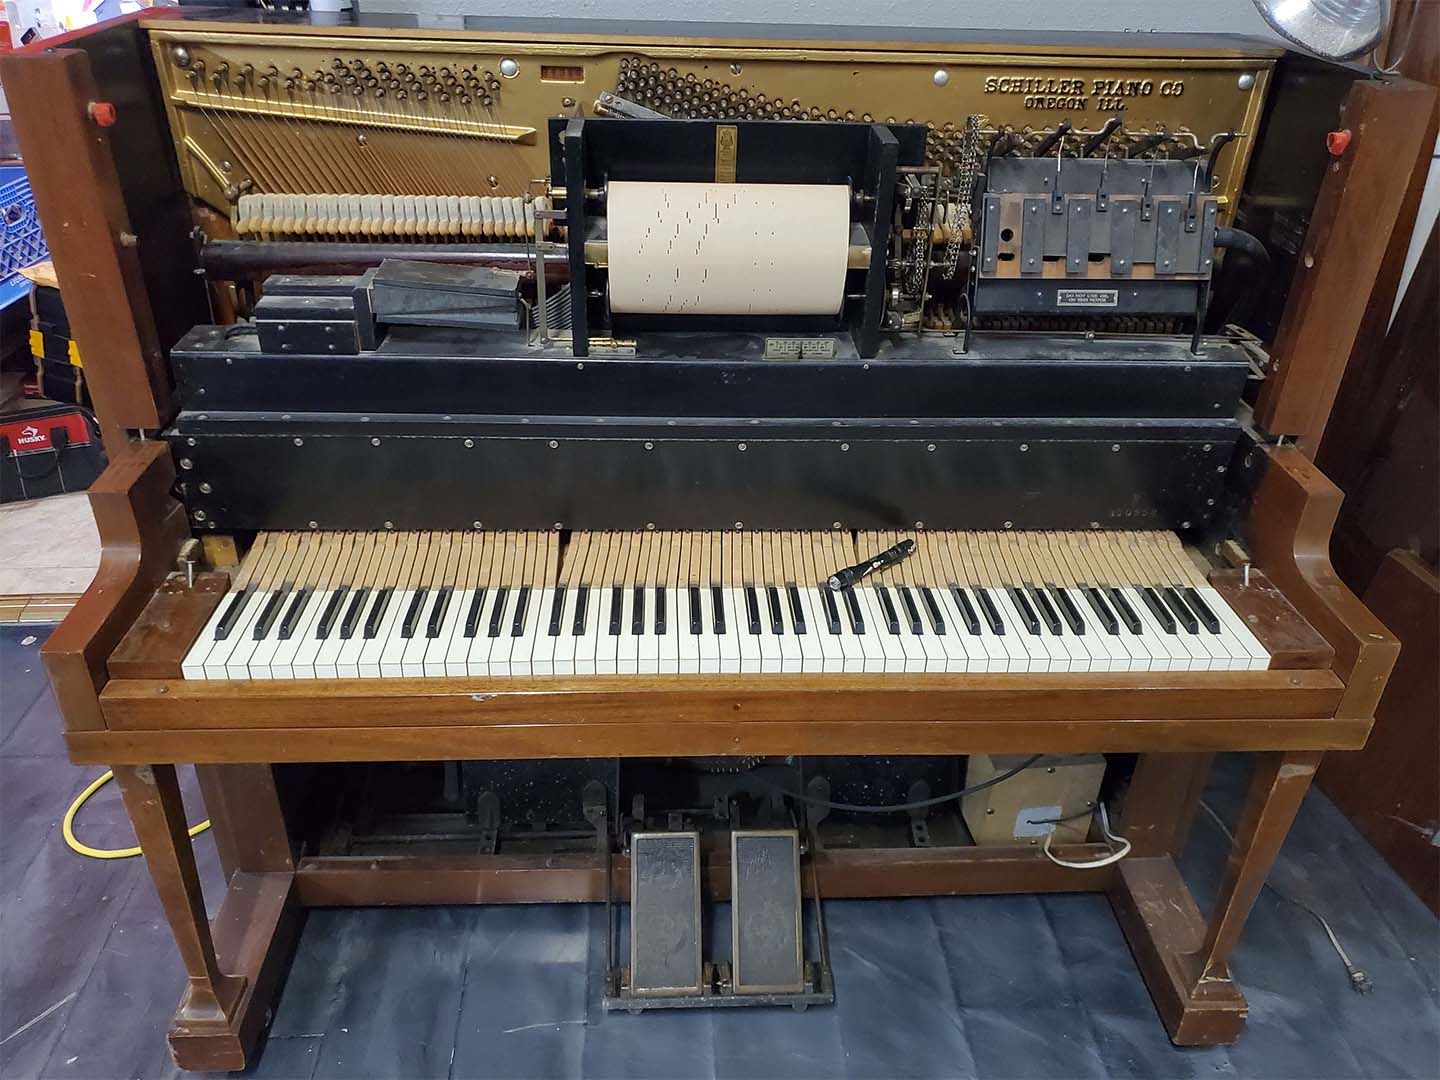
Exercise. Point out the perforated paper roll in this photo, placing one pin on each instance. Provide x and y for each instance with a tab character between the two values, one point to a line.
727	249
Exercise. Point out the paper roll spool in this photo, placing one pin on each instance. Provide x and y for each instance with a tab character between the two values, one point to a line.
727	249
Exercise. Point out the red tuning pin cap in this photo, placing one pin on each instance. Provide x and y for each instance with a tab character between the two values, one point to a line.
1337	141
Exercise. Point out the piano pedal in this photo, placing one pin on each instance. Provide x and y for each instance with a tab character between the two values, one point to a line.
767	967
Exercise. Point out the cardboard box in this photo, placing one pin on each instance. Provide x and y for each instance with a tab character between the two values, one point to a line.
1055	787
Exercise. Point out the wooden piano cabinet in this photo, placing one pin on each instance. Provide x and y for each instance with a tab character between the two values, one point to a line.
233	731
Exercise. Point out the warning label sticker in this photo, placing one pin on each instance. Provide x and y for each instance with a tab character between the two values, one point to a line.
1087	297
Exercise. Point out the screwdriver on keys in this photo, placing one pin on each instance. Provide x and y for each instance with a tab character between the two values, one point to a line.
851	576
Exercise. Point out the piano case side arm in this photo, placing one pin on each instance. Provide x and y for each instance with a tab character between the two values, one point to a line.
141	527
1291	521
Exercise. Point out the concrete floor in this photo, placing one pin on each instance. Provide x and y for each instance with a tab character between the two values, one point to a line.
993	986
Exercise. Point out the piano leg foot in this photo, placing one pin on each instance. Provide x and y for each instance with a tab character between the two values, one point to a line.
234	975
1184	960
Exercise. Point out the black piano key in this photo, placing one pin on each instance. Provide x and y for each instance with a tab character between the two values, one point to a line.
1068	611
1023	609
852	608
908	600
557	608
892	620
660	610
1201	609
717	604
967	610
1158	609
832	613
292	613
377	612
522	610
1102	610
1124	610
472	617
1046	610
992	613
353	611
752	609
327	617
777	621
269	612
497	612
617	608
582	601
637	611
797	613
1182	613
437	612
937	620
697	625
412	614
232	613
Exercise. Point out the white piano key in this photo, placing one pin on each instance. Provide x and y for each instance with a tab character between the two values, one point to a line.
502	643
414	648
957	657
1258	656
932	644
689	645
610	620
788	641
862	650
457	649
627	645
535	622
829	646
387	662
237	663
282	664
542	643
437	652
593	603
259	664
988	650
730	629
738	627
193	666
564	659
325	661
1167	654
916	657
882	649
771	657
1036	652
668	636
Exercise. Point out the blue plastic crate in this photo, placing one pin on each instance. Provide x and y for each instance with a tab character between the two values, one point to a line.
21	241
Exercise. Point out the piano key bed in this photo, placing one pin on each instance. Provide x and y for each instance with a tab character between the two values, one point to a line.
327	605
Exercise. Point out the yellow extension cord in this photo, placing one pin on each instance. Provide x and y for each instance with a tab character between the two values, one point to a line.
67	826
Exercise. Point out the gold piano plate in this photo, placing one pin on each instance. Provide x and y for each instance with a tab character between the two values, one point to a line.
442	113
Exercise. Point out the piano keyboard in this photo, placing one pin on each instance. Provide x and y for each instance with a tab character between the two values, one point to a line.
319	605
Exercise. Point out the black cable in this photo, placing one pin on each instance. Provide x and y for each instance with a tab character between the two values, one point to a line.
1248	245
902	808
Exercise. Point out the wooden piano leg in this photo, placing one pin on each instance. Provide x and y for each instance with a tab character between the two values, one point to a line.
235	971
1186	962
152	799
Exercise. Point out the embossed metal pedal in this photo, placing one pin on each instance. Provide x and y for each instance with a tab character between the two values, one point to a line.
767	946
665	933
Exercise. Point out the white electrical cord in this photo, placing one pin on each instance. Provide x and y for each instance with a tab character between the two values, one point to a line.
1105	860
1359	981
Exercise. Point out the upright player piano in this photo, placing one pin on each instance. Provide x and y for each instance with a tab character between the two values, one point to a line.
550	466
